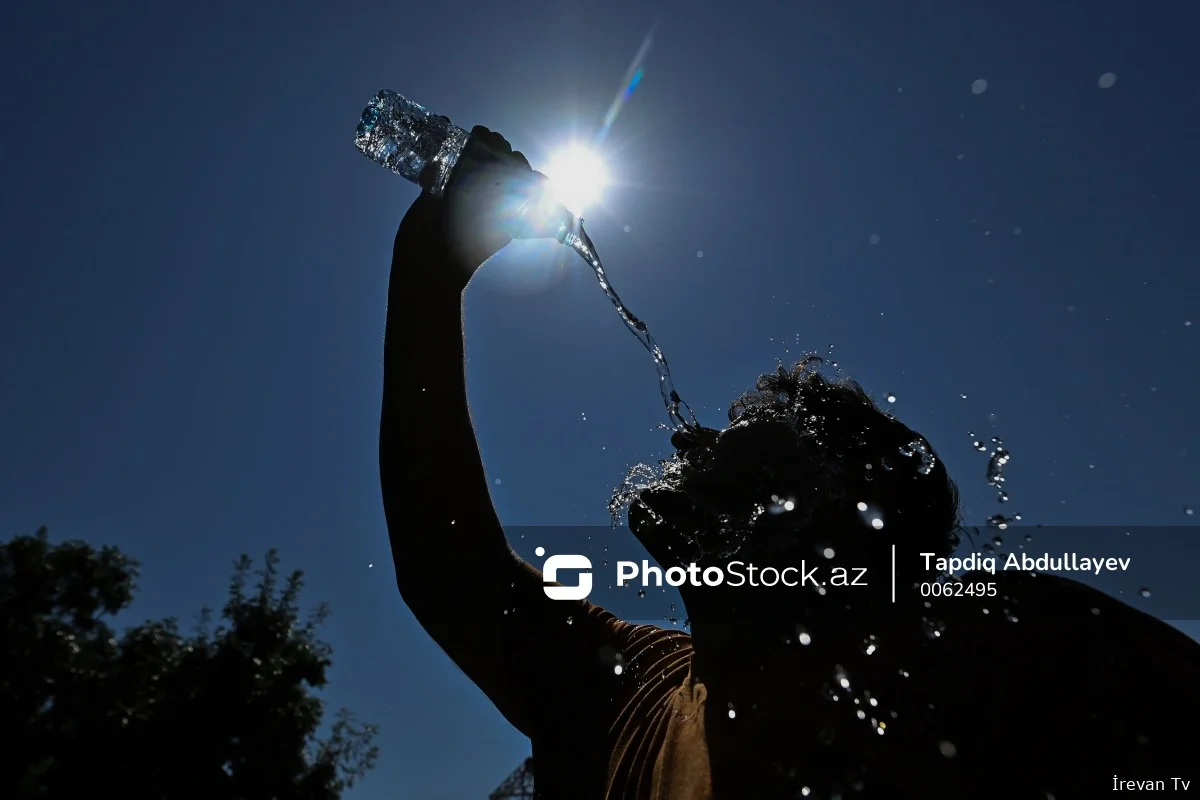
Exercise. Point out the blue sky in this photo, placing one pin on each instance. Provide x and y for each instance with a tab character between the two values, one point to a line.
192	294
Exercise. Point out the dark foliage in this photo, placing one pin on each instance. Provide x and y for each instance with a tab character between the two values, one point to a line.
221	712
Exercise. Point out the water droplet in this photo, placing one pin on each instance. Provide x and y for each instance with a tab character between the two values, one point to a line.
979	86
869	645
618	669
947	748
803	636
874	238
828	552
963	396
891	398
570	620
699	254
627	229
1188	510
1016	231
877	524
997	541
732	713
934	628
1107	80
641	592
996	463
498	481
1144	592
959	157
841	677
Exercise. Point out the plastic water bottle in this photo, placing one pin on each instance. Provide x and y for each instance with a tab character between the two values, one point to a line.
437	155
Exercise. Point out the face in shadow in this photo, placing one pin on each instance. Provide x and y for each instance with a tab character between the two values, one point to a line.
805	463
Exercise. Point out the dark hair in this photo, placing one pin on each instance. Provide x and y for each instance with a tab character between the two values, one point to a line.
831	447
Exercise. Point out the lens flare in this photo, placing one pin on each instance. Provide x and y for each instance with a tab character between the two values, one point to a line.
632	78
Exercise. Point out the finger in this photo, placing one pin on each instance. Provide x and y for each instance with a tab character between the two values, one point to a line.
492	147
490	141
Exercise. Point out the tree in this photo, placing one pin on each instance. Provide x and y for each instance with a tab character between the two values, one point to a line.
224	712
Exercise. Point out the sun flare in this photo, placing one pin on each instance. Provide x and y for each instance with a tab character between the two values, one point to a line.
578	176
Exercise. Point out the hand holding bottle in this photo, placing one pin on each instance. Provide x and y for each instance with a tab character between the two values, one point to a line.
492	197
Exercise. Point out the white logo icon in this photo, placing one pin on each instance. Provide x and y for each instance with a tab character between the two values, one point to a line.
550	575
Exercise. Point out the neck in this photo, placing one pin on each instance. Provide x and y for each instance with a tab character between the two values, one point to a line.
729	633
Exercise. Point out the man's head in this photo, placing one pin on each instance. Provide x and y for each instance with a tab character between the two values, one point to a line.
806	463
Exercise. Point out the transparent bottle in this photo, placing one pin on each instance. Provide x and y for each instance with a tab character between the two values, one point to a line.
439	156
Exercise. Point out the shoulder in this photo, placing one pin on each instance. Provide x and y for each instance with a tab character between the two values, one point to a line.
1065	622
1055	661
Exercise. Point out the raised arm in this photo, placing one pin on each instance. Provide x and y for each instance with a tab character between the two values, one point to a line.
481	603
453	564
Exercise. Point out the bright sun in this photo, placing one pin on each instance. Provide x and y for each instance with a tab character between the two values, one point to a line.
578	176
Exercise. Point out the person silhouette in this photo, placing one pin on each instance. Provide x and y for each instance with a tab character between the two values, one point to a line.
774	693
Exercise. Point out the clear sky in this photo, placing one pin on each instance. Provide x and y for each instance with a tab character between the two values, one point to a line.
195	259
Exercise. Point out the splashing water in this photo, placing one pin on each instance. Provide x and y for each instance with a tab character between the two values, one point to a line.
638	478
997	461
919	448
676	407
